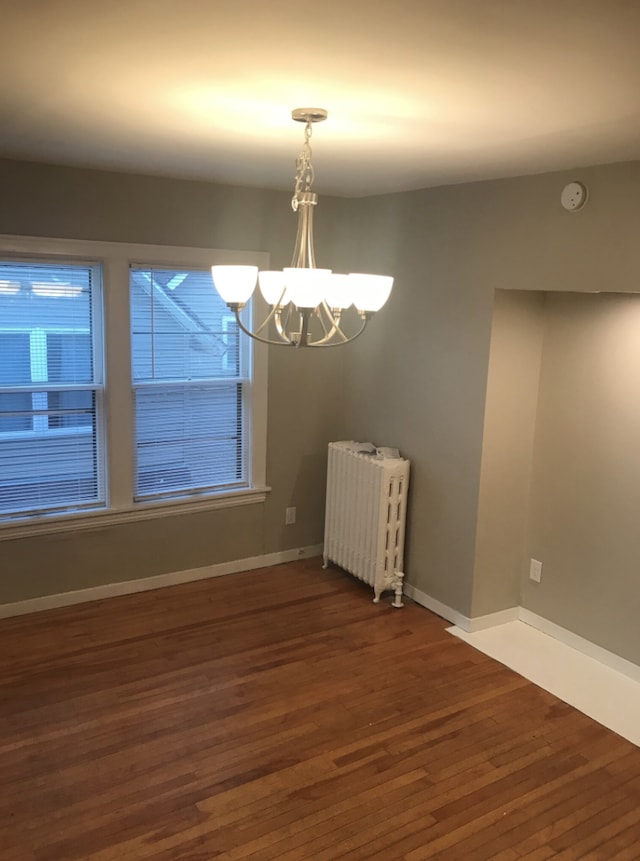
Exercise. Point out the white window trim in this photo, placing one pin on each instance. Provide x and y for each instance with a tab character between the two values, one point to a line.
227	320
116	258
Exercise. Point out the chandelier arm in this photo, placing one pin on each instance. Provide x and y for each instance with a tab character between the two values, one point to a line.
273	312
327	340
335	319
324	312
295	339
284	343
303	336
334	329
321	343
282	327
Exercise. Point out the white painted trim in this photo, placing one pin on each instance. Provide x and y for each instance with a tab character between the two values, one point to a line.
477	623
128	587
481	623
115	258
135	253
436	607
514	614
586	647
77	522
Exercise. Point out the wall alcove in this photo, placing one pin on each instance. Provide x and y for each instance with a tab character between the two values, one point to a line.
560	475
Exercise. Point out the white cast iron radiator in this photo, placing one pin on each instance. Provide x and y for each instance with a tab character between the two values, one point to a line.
366	514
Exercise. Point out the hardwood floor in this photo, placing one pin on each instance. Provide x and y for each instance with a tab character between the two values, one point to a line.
280	715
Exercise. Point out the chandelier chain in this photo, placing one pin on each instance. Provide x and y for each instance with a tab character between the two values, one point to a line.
304	168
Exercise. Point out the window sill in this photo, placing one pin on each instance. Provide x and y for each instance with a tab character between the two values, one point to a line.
86	520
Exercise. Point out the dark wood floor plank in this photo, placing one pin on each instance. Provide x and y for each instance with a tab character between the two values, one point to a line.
541	854
279	715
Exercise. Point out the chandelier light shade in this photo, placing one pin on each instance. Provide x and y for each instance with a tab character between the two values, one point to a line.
235	284
305	302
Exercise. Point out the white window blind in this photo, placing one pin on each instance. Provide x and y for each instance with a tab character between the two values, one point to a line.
50	388
190	381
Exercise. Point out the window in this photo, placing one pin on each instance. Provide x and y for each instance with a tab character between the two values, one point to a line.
126	389
189	375
50	388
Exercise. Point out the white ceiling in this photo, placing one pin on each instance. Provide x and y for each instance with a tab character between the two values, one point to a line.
419	92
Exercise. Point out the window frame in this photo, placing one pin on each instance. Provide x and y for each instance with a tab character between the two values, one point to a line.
40	432
212	383
115	260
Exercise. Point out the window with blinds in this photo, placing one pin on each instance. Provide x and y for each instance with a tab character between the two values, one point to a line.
51	457
190	379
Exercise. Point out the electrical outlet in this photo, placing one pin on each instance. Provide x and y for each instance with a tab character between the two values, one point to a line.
535	570
290	516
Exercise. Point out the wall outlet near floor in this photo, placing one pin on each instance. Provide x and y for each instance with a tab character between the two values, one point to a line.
290	516
535	570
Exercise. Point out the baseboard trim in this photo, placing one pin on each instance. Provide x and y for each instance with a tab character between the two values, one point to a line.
586	647
145	584
470	625
436	606
481	623
467	624
514	614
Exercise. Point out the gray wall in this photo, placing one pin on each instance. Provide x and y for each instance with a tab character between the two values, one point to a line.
419	381
305	389
507	450
586	471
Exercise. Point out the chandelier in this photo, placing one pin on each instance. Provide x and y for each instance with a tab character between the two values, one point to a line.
306	304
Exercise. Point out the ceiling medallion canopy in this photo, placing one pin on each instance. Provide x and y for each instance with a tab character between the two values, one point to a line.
306	304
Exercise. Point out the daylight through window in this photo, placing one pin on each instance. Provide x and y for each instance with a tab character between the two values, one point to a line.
51	450
126	390
189	377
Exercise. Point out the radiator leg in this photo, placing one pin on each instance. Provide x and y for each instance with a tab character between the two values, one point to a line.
397	586
325	561
376	595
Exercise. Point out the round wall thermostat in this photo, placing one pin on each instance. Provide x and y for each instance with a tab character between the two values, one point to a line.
574	196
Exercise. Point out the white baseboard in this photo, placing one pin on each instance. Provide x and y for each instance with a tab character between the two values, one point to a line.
481	623
465	623
586	647
514	614
144	584
478	623
436	606
607	695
